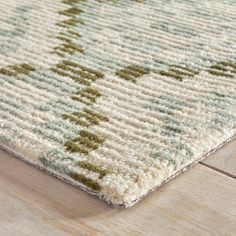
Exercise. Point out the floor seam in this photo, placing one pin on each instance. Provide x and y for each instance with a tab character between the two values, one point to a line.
218	170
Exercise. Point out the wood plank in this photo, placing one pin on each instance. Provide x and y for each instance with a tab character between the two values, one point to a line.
224	160
199	202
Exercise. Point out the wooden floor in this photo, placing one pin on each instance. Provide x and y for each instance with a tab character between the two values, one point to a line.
202	201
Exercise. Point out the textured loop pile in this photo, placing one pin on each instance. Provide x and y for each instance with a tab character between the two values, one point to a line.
116	97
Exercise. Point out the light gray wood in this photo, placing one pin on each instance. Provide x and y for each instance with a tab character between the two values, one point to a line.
224	159
199	202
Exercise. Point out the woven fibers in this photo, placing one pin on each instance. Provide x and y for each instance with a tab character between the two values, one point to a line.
116	97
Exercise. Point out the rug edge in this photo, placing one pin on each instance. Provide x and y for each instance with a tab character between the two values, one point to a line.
185	168
78	185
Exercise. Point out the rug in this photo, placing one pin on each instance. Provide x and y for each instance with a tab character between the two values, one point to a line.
116	97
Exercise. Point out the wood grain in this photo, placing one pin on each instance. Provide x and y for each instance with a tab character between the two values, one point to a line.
199	202
224	160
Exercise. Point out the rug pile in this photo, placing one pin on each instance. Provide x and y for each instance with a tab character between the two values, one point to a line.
116	97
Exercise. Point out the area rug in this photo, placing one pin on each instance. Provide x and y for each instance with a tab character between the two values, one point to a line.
116	97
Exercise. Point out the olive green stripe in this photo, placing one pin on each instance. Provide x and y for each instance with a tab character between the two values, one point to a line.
71	11
132	72
71	2
70	48
87	75
75	120
74	33
95	114
181	72
169	74
5	71
94	168
228	63
70	22
63	38
91	91
15	70
220	73
126	76
86	142
86	181
92	136
74	147
75	78
66	65
184	68
78	98
88	96
223	68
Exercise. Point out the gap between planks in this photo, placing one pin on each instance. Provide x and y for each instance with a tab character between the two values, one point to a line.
218	170
223	160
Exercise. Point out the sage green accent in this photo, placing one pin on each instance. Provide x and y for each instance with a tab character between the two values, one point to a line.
170	128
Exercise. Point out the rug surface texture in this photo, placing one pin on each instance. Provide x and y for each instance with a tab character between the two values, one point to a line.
116	97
